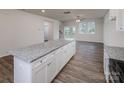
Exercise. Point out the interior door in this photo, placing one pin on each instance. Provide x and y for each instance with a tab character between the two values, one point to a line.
48	30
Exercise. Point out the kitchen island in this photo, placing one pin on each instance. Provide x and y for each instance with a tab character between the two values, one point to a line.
40	63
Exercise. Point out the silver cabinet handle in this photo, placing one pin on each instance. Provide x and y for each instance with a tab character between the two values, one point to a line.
120	28
49	63
41	61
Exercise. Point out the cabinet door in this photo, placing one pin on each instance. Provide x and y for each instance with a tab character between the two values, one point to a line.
69	51
51	70
39	75
59	60
120	20
74	47
113	14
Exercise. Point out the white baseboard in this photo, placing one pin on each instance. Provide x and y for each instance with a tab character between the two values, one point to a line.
91	41
4	54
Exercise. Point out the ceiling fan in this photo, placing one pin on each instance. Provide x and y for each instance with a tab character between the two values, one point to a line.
79	19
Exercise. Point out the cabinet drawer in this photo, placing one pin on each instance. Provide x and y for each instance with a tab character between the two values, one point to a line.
38	63
42	61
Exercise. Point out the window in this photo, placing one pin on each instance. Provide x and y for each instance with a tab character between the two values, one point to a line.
69	33
87	28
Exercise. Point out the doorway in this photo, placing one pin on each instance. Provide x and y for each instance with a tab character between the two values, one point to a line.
48	30
69	32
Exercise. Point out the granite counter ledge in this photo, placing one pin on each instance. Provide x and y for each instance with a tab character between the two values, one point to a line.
115	52
34	52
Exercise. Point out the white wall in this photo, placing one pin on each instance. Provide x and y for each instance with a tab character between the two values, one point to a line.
19	29
56	30
111	36
97	37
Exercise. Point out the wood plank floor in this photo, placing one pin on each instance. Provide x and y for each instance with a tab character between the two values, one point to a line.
6	69
85	67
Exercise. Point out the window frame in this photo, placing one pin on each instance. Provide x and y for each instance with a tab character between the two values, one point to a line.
87	32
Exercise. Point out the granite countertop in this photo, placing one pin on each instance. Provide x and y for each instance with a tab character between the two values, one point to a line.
34	52
115	52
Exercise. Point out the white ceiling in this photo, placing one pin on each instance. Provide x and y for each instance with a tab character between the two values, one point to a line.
58	14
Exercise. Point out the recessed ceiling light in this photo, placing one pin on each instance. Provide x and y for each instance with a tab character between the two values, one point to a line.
43	11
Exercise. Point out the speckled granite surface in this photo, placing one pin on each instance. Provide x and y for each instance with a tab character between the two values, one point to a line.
115	52
31	53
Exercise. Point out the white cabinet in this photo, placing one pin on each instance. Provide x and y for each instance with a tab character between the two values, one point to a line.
65	54
39	75
39	70
120	20
59	59
68	52
22	71
44	69
117	15
106	66
51	69
72	48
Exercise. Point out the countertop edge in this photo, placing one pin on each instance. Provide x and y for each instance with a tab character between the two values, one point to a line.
32	60
116	53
